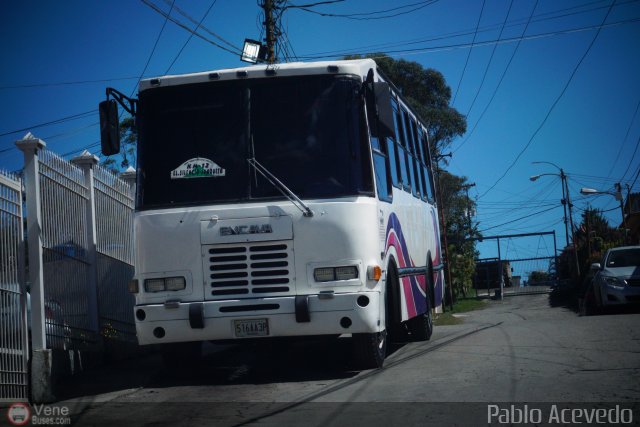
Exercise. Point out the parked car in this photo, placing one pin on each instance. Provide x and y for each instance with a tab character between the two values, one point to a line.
617	278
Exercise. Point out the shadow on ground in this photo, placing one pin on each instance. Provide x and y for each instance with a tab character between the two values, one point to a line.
254	363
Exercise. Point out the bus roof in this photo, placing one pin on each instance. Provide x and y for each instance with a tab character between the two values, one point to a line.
358	67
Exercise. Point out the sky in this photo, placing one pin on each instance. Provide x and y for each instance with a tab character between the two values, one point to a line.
538	80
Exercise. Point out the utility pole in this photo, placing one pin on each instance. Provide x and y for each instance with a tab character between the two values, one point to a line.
444	233
270	29
588	217
618	196
573	235
466	187
564	208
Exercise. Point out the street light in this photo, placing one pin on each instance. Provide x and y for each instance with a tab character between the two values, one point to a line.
618	196
535	177
566	200
592	191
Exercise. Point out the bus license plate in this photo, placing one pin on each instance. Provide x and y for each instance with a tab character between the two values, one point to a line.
251	328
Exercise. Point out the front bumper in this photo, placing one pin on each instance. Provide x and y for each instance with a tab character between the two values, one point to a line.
621	295
325	315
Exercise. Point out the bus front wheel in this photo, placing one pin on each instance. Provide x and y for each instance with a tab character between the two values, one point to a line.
370	349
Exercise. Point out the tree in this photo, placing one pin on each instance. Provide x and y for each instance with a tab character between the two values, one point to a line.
457	208
427	92
128	141
593	237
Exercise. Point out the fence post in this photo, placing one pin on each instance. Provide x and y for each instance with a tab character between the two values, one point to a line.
86	161
129	176
41	382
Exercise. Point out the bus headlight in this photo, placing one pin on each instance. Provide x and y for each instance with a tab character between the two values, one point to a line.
326	274
165	284
346	273
332	274
175	283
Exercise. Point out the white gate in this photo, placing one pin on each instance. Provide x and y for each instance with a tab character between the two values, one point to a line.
14	346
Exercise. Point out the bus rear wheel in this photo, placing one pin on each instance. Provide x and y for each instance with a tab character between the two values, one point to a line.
369	350
421	326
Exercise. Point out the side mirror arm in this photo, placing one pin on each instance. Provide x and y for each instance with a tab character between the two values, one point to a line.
129	104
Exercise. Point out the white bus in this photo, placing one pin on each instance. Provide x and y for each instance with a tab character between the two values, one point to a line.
280	201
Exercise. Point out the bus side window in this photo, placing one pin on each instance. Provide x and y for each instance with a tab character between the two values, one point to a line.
418	183
411	165
424	177
408	143
383	170
401	160
427	171
393	163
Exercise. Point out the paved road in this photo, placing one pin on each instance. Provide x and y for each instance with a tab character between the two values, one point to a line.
518	350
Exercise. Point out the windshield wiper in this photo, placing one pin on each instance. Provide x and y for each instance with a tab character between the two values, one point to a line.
281	187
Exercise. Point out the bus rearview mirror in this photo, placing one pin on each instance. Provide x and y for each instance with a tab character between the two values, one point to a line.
109	127
386	127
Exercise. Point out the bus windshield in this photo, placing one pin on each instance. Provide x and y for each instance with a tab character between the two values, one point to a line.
194	140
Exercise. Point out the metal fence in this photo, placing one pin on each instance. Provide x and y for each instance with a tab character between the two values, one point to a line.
14	348
64	200
114	202
86	236
519	276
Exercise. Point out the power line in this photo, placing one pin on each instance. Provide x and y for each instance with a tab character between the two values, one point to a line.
469	53
630	160
537	18
34	85
190	37
635	179
358	17
180	24
94	144
566	86
190	18
489	42
519	219
633	118
293	6
164	24
53	122
486	70
167	17
504	73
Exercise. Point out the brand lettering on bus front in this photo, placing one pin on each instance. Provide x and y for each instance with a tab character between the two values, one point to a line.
246	229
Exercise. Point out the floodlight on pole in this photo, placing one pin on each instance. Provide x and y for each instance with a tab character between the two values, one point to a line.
251	51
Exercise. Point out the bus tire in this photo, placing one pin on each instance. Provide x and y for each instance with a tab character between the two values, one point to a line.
181	357
421	326
370	350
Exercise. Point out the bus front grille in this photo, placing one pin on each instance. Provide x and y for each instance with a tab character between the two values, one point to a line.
249	270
